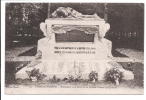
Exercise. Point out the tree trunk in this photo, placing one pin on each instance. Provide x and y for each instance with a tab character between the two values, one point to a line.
105	12
49	6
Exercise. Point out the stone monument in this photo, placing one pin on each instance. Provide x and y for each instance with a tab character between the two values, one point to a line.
63	58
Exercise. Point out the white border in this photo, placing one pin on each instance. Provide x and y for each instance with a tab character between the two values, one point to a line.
79	1
54	97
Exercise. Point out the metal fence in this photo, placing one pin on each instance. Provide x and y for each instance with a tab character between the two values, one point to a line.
127	39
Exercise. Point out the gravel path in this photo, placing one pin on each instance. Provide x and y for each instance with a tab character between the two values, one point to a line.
12	55
133	55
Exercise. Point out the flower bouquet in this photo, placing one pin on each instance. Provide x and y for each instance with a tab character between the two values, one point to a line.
93	76
114	75
35	75
74	76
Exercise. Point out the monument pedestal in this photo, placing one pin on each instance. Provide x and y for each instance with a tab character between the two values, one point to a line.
65	58
62	68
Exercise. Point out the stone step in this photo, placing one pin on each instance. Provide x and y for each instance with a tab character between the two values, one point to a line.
63	68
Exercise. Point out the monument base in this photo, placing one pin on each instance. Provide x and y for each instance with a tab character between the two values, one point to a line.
63	68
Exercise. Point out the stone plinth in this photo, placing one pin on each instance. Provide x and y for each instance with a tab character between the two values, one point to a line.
62	68
75	51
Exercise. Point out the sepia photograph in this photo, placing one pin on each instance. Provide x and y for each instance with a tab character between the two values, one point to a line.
74	48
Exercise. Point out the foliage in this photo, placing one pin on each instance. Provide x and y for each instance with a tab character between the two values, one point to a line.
36	73
22	81
75	75
24	17
93	76
113	75
130	64
55	79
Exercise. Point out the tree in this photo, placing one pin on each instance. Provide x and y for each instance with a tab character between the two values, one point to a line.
24	17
